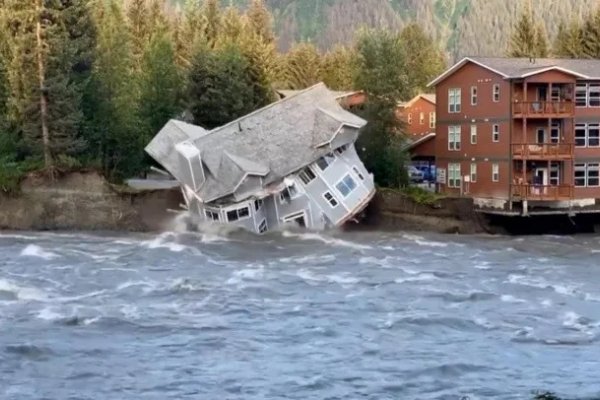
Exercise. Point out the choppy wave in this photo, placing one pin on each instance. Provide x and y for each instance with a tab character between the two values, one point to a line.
33	250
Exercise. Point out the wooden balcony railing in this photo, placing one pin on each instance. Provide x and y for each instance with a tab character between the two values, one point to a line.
543	151
542	192
543	108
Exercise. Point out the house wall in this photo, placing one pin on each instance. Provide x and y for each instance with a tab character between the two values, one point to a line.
483	115
425	149
415	129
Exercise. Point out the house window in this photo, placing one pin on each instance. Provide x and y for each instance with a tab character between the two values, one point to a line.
287	194
473	172
587	135
495	173
555	94
473	95
473	134
212	215
554	174
453	100
306	176
496	93
409	118
240	213
357	172
587	175
581	95
495	133
330	199
555	133
340	150
454	137
454	175
594	95
262	228
422	118
258	204
432	119
325	161
346	185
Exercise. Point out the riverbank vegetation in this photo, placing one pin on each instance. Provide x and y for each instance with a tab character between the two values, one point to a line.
87	84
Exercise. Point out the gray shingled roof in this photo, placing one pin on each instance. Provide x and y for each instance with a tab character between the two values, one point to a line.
521	67
272	142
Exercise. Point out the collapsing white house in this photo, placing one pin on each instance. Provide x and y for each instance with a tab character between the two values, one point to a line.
293	161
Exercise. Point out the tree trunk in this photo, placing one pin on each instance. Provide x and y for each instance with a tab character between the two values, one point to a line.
43	99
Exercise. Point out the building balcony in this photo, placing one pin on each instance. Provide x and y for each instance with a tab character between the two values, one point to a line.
542	192
542	151
543	109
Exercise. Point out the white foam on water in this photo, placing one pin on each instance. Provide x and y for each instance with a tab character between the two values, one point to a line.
22	292
49	314
325	239
162	242
129	284
67	299
564	289
507	298
249	274
343	279
17	236
421	277
310	277
33	250
572	320
311	259
546	303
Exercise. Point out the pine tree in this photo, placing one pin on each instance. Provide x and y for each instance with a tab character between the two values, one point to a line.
591	35
45	101
541	41
189	34
300	66
139	29
569	40
261	20
211	18
161	86
232	26
523	41
115	136
337	68
221	87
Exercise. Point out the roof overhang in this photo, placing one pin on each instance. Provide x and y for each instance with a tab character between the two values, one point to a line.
458	66
419	141
553	68
414	99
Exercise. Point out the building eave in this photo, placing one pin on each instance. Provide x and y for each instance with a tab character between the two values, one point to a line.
459	65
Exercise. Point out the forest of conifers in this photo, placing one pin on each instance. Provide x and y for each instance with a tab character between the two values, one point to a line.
88	83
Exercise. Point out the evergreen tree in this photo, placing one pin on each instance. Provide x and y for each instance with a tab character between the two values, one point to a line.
211	19
189	34
424	59
382	74
114	133
232	26
221	87
161	86
591	35
569	40
261	20
300	67
541	41
45	100
523	42
337	68
139	29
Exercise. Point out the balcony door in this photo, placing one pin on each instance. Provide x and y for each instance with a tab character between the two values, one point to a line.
540	181
541	136
542	93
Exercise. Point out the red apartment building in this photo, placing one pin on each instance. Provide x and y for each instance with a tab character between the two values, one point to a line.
418	116
518	134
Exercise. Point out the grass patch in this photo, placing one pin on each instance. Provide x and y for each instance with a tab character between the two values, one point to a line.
417	195
13	172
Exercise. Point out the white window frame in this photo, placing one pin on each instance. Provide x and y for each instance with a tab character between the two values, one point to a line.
580	167
496	93
581	88
555	133
305	177
495	133
358	173
586	127
329	201
454	137
593	88
554	178
473	95
454	177
409	118
213	212
263	226
432	119
347	176
237	210
473	172
473	133
495	172
421	118
454	100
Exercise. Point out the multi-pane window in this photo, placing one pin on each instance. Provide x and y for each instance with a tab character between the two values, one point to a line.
554	174
346	185
325	161
262	228
409	118
496	93
258	204
212	215
330	199
473	95
587	175
240	213
358	173
432	119
454	137
555	133
587	135
454	175
422	118
495	133
587	95
453	100
306	176
473	172
495	173
340	150
473	134
555	94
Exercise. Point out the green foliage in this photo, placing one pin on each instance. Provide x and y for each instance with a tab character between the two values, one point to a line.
529	39
591	35
222	86
569	40
300	67
337	68
421	196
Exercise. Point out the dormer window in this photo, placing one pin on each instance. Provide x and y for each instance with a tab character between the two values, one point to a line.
325	161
